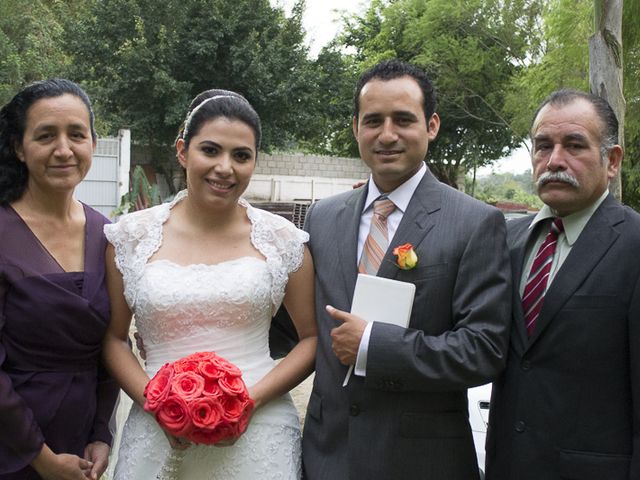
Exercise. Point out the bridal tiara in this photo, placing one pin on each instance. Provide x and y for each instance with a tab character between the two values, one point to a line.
187	122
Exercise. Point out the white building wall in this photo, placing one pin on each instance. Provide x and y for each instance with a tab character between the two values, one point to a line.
108	178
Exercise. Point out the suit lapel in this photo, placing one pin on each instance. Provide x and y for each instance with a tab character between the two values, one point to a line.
347	225
592	244
416	221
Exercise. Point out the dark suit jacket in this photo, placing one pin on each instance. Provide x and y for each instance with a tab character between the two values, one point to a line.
408	417
568	404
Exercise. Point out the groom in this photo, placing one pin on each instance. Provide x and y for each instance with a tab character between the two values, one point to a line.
404	412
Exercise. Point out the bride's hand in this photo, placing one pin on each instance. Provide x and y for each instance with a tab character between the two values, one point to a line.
227	443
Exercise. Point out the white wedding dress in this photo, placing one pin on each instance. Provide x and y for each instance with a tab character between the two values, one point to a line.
225	308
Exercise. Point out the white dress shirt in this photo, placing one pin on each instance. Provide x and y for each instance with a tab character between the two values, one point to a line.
400	197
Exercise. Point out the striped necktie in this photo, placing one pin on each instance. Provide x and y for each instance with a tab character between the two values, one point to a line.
377	242
534	290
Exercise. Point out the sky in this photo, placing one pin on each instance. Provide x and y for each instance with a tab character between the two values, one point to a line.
518	162
321	21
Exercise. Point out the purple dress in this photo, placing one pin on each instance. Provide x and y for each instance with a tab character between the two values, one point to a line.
52	386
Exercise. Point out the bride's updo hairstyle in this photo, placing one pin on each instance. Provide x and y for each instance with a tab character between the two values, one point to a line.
215	103
13	123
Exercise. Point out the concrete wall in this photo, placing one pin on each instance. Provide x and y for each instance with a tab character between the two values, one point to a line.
310	166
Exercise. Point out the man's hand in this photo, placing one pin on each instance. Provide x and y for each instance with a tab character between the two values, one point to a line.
98	454
346	338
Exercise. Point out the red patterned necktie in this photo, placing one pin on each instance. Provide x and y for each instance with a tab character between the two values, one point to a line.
377	242
534	290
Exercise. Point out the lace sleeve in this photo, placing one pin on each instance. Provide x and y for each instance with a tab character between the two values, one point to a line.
282	244
136	237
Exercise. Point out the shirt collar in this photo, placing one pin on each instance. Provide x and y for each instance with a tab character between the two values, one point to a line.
401	196
574	223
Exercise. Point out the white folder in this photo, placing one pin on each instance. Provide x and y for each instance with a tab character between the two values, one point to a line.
378	299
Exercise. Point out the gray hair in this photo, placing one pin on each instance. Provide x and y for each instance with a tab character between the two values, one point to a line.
606	115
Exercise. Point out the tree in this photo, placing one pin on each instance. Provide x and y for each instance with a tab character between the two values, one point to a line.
472	50
605	64
560	59
563	61
143	68
631	164
508	187
330	131
30	43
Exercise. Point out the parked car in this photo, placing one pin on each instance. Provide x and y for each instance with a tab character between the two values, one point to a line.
479	398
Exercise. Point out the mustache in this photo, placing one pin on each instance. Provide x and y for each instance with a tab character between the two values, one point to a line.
564	177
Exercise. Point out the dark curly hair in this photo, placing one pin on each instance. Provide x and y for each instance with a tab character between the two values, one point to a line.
392	69
215	103
13	122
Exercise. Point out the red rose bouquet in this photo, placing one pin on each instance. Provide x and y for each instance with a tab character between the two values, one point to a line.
200	397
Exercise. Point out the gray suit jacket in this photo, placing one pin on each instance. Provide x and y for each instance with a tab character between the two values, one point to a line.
568	404
408	417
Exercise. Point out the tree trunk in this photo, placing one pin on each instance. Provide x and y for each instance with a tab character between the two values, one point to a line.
605	65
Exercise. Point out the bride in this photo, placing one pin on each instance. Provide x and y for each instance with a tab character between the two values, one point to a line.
207	272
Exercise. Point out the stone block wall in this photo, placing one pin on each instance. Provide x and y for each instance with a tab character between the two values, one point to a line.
302	165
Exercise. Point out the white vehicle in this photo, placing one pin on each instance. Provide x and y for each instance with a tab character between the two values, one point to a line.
479	398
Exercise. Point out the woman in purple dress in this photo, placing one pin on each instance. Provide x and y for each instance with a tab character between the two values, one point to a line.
55	399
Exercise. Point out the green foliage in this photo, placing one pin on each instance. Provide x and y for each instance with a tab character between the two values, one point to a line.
30	44
471	49
561	59
631	55
331	125
141	194
506	187
143	67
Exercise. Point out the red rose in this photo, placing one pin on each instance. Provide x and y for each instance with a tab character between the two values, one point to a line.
174	416
232	408
206	412
188	385
158	388
201	397
184	365
232	385
228	367
211	370
211	388
200	356
243	421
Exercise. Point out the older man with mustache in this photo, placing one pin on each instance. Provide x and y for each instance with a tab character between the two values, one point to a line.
568	404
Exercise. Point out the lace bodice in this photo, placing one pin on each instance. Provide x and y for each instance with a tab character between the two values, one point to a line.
225	307
137	236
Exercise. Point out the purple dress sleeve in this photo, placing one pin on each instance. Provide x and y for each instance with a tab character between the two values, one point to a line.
19	428
52	386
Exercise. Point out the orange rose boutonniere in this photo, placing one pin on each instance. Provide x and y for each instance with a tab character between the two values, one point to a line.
407	258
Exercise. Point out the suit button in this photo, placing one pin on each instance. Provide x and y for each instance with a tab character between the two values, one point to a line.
354	410
526	365
520	426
